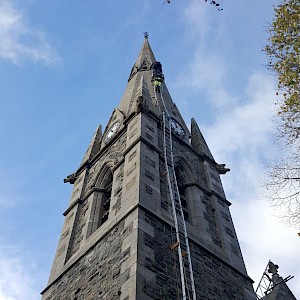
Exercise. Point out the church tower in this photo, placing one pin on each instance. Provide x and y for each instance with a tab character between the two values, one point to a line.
148	217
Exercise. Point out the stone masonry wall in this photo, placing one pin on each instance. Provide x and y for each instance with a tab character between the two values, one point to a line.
100	273
159	276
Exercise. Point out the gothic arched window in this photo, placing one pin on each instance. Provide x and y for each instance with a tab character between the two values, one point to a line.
182	180
105	185
101	201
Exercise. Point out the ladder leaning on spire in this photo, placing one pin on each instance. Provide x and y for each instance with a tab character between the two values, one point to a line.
182	244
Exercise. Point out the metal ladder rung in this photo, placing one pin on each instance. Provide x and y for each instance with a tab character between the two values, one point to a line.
182	244
174	246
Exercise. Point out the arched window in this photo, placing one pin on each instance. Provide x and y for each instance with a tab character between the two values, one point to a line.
105	185
101	201
182	180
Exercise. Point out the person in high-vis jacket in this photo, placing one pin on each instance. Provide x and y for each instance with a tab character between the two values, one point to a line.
157	84
157	75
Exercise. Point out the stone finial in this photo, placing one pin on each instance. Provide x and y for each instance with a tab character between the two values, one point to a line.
273	269
146	35
94	146
197	140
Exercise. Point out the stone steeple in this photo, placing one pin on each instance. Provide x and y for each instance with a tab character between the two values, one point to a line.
278	289
140	92
118	236
198	142
94	146
145	59
141	69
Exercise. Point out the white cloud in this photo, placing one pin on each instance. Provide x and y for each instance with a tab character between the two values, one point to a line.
206	71
240	135
263	237
246	126
16	282
206	74
20	41
196	13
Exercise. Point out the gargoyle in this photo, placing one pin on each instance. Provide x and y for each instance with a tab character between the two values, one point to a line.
71	178
221	168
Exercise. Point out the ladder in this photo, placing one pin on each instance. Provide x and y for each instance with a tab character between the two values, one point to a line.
264	284
182	244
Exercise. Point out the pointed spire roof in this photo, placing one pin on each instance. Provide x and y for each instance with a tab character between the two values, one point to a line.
146	55
139	80
145	59
140	85
94	146
279	289
198	141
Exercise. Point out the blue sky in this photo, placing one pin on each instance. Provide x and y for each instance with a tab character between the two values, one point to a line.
63	68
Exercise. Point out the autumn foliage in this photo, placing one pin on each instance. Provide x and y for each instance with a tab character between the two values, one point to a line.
283	52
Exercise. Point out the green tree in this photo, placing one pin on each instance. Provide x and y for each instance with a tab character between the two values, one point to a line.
283	52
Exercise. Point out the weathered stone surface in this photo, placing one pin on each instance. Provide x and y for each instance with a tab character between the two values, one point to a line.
278	289
124	185
77	235
97	275
214	279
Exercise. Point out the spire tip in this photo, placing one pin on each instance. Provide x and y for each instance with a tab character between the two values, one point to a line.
146	35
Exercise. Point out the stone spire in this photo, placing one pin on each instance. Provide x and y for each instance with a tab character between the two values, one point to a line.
94	146
198	141
140	87
92	150
146	57
199	144
139	80
279	288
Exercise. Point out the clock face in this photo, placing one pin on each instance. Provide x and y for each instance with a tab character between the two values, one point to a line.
177	127
112	131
